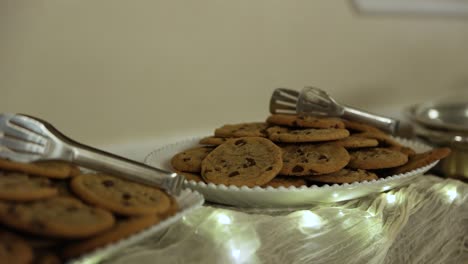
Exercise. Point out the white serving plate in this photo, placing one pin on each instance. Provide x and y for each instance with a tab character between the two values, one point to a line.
188	201
282	197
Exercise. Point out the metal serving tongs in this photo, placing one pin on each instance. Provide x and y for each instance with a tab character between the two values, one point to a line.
26	138
314	101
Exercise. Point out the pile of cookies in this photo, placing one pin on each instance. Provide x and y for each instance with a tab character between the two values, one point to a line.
291	150
50	211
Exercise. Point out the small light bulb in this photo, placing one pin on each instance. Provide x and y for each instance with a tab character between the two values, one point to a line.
452	194
311	220
340	213
335	195
391	198
235	253
224	219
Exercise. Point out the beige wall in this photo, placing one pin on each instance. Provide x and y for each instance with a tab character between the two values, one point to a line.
111	71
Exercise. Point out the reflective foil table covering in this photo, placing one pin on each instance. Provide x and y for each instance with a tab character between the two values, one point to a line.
424	222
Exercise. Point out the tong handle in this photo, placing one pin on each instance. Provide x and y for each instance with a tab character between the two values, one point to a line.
385	123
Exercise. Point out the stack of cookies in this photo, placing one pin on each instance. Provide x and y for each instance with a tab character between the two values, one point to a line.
51	211
290	150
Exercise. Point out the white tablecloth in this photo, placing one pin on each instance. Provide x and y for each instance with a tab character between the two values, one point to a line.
424	222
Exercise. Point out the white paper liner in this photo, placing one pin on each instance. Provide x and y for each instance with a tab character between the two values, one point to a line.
188	201
281	197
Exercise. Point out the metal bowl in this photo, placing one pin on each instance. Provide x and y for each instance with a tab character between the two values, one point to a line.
444	124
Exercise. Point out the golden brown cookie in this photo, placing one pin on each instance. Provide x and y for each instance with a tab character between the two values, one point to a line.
344	176
50	169
16	186
284	134
120	196
352	142
422	159
376	158
253	129
311	159
212	140
383	139
56	217
247	161
122	229
305	121
190	160
285	181
13	249
355	126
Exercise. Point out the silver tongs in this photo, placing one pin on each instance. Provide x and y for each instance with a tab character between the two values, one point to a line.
314	101
26	138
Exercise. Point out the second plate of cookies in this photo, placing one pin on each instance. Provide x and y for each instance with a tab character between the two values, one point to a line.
309	183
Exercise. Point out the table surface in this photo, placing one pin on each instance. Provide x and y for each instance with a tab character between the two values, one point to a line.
423	222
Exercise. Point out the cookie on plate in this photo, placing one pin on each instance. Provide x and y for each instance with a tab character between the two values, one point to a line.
190	160
285	181
344	176
353	142
13	249
387	142
120	196
355	126
247	161
305	121
50	169
311	159
16	186
422	159
376	158
252	129
212	140
123	228
56	217
287	135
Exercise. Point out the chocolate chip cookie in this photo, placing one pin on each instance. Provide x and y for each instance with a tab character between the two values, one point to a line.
344	176
212	140
422	159
253	129
120	196
16	186
13	249
376	158
285	181
60	217
122	229
190	160
284	134
247	161
50	169
305	121
311	159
